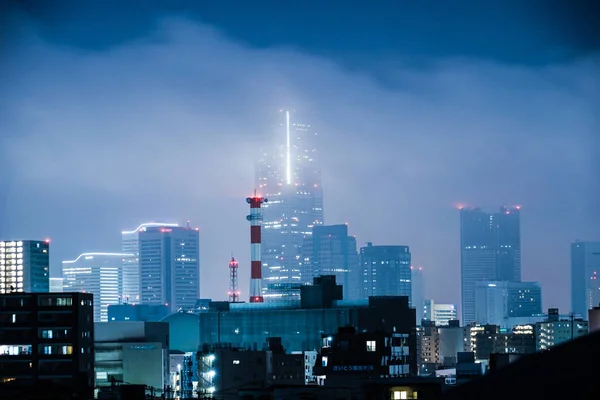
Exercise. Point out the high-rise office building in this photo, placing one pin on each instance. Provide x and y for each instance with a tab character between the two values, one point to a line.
330	251
417	292
585	270
490	251
165	267
497	301
24	266
288	175
99	274
385	271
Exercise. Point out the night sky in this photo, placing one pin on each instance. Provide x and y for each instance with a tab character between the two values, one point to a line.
114	113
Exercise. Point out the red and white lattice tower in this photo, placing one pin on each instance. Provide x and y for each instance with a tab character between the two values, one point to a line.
255	219
234	292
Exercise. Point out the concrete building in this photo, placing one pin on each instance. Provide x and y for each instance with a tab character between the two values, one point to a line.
24	266
490	251
441	314
47	337
556	330
99	274
132	352
385	271
594	319
585	269
428	348
223	370
496	302
452	341
165	268
354	355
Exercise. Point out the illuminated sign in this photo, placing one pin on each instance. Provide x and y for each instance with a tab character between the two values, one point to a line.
348	368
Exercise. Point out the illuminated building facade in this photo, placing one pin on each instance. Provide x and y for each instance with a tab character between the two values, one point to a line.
46	340
288	175
385	271
490	251
585	270
165	268
24	266
99	274
441	314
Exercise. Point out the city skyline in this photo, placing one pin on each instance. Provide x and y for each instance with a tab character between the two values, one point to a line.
403	136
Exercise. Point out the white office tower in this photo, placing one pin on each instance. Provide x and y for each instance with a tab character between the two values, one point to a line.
165	268
98	274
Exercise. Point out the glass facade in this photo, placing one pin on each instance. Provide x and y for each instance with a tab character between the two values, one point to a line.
497	301
24	266
249	325
99	274
166	269
585	269
385	271
490	251
330	251
288	175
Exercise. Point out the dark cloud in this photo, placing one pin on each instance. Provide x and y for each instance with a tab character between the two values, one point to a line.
167	128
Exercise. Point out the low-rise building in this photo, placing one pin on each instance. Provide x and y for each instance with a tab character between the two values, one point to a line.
132	352
47	337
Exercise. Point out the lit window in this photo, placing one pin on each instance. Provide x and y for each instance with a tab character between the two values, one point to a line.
371	345
236	362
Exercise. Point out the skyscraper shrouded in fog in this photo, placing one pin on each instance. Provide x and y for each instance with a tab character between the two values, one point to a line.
288	174
330	251
25	266
585	273
490	251
417	292
165	268
385	271
100	274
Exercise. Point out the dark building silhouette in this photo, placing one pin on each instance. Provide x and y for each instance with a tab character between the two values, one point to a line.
565	371
46	340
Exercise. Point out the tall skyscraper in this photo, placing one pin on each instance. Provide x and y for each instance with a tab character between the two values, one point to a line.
24	266
385	271
490	251
496	302
166	265
330	251
417	292
585	270
288	175
99	274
